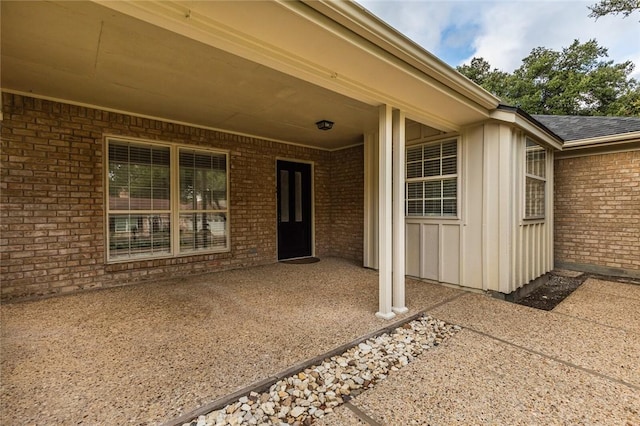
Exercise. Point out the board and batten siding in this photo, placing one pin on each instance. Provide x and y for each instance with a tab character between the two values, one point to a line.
489	245
533	240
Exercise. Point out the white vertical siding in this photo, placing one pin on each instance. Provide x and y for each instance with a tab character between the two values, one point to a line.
449	265
430	256
533	254
413	249
534	238
472	265
491	246
370	243
433	250
498	207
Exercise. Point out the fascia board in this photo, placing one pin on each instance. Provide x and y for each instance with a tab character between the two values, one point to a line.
602	140
519	121
362	22
341	30
627	145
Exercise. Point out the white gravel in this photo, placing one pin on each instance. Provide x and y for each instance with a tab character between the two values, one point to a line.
319	389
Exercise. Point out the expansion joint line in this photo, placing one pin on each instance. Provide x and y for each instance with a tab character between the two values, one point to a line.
558	360
361	414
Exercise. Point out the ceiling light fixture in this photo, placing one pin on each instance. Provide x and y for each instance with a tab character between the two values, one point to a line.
324	125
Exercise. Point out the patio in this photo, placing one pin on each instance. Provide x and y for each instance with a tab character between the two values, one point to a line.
515	365
147	353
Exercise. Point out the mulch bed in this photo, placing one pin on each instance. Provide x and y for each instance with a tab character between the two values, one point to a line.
559	287
549	295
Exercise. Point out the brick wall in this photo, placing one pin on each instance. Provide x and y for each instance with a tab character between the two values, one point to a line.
597	212
52	219
347	201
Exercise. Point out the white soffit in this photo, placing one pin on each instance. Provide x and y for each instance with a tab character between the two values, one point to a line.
88	54
228	65
292	37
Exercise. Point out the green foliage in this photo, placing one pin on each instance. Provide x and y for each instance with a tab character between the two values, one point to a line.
577	80
480	72
614	7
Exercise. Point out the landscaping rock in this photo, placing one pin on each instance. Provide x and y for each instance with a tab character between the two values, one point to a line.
316	391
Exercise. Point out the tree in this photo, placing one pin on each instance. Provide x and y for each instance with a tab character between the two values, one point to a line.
614	7
480	72
577	80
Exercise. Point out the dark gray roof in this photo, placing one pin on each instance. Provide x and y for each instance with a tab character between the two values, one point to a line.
576	127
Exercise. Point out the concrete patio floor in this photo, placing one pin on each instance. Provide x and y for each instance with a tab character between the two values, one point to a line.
145	354
514	365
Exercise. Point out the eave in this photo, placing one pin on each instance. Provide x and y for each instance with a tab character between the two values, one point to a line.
405	76
600	145
527	123
359	20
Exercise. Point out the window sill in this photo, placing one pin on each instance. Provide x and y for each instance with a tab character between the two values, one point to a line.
168	256
533	221
434	218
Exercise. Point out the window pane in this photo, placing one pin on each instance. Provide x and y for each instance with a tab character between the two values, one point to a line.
534	204
142	200
432	151
284	196
414	170
449	166
133	172
450	148
433	189
432	208
415	190
298	195
432	168
536	156
160	197
203	181
535	183
187	198
133	235
414	208
450	188
414	153
449	207
535	162
202	231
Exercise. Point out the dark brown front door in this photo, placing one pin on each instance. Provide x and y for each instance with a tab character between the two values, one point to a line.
294	210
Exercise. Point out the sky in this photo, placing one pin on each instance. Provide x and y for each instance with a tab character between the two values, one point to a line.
503	32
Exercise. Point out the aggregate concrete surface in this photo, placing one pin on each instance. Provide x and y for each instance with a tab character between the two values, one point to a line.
515	365
145	354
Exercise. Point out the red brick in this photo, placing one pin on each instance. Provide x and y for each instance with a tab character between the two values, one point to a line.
53	201
591	228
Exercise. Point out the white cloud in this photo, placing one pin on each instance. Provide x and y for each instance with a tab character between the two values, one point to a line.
504	32
421	21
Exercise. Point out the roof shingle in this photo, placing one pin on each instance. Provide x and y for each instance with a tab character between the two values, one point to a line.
572	127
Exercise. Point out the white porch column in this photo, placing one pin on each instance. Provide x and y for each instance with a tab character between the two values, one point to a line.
399	306
385	242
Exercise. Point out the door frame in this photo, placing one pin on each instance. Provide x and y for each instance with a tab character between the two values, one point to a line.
312	164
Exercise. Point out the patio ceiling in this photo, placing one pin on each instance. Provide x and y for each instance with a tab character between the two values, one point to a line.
86	53
193	70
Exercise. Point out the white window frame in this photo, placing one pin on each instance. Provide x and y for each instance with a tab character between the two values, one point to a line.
537	178
441	178
174	196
